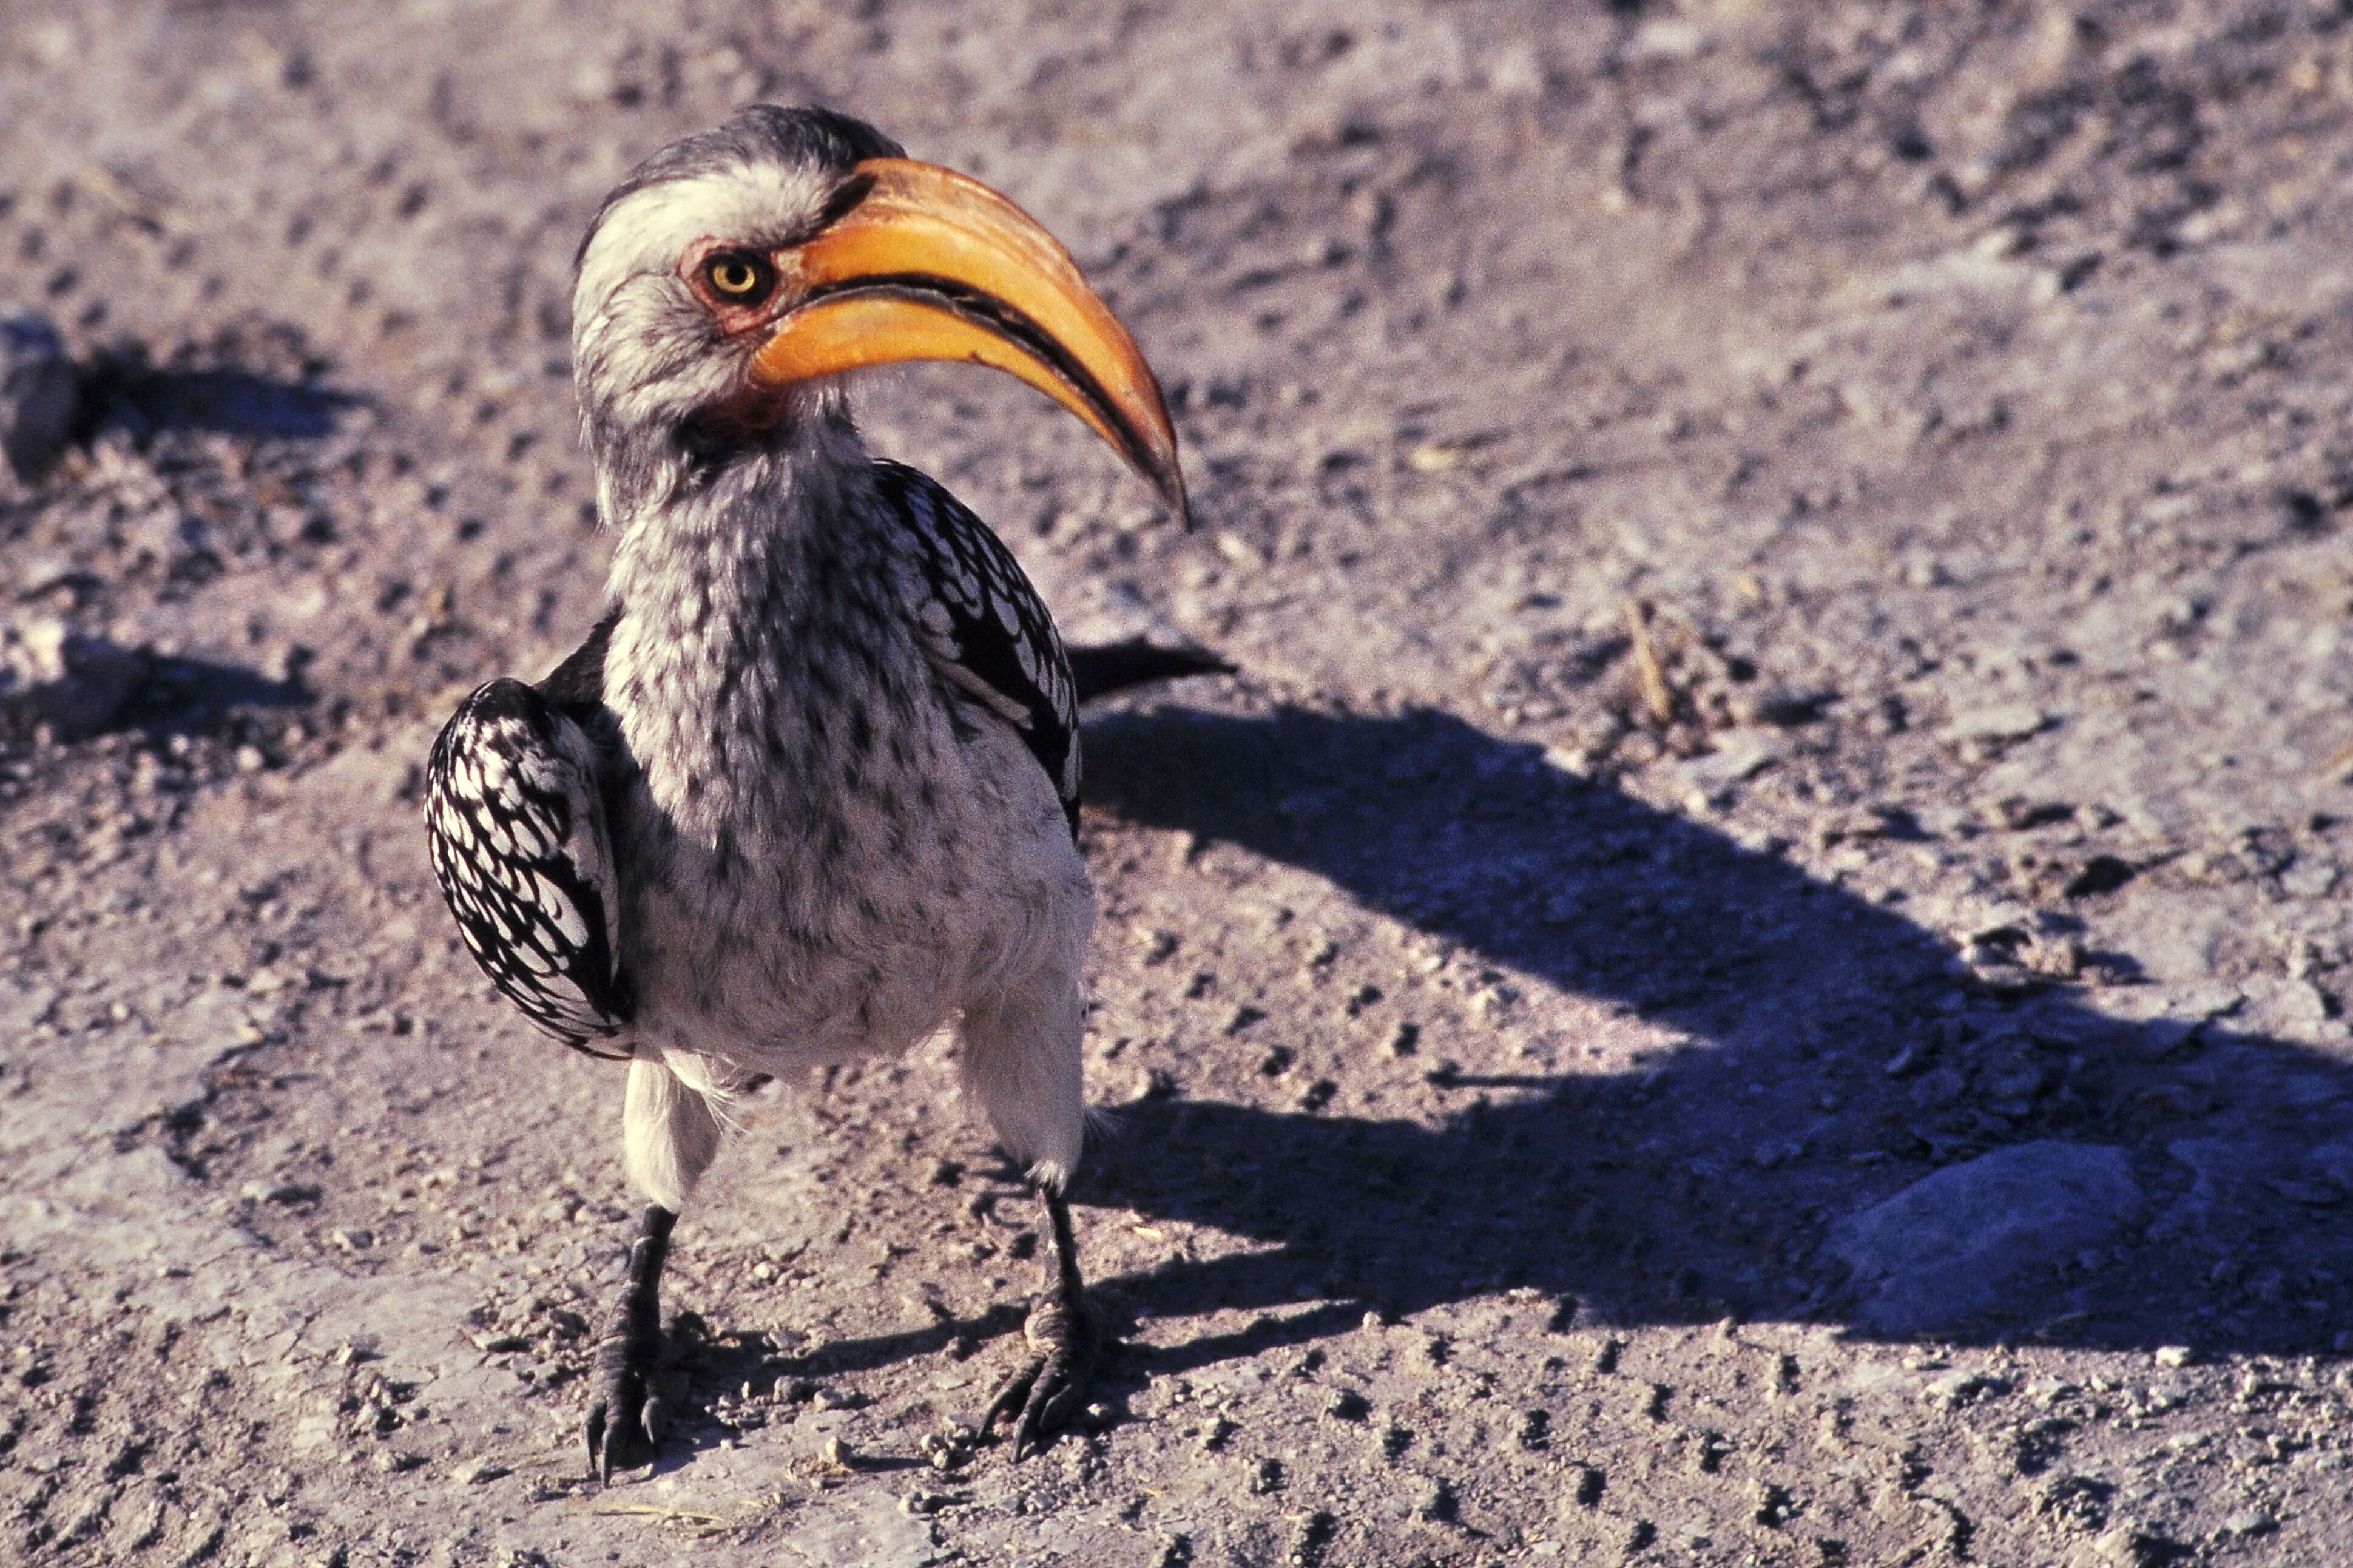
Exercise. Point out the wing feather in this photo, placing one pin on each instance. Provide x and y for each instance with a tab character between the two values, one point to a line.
985	625
515	819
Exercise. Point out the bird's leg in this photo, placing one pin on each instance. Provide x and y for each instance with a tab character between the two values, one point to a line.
628	1413
1051	1382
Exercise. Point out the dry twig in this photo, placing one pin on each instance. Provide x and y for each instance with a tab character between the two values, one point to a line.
1648	676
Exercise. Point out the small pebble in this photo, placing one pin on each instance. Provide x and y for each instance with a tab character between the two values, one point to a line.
39	397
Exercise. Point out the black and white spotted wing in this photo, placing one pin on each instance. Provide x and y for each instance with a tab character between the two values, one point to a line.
516	824
985	625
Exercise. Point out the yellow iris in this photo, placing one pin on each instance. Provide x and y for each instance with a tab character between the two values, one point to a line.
734	275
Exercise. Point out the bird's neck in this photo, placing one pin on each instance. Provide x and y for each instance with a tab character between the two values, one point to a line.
727	536
744	597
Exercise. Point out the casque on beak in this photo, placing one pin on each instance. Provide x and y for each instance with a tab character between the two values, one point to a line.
924	263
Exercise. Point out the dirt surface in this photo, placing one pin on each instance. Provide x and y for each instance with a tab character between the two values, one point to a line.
1749	973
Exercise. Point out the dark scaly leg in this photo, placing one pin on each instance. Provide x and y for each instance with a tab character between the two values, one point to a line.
628	1416
1050	1385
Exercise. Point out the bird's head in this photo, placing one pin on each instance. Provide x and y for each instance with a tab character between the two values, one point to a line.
726	279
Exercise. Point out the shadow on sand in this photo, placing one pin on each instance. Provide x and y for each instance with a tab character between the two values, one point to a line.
146	401
1708	1183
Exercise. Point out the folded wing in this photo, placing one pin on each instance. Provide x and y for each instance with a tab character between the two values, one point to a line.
514	820
984	625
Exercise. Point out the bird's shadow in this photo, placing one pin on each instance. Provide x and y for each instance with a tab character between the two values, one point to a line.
126	392
178	694
108	689
1707	1181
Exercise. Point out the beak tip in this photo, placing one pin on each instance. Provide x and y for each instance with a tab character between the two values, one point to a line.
1171	486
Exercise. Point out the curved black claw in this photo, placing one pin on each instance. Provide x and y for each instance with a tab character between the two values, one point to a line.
627	1422
1052	1383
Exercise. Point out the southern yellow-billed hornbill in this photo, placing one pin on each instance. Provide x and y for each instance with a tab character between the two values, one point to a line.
810	789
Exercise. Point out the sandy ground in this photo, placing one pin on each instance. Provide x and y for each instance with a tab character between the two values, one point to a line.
1840	1062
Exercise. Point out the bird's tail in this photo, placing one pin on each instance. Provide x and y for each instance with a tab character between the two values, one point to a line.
1103	668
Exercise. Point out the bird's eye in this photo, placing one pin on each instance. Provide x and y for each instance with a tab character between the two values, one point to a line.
739	277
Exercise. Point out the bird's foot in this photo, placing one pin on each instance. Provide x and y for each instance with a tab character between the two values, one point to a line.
625	1425
627	1422
1040	1396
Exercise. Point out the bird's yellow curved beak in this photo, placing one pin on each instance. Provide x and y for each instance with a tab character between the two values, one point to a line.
927	264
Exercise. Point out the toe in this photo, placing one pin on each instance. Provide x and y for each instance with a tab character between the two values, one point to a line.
1040	1397
1012	1397
626	1424
1052	1399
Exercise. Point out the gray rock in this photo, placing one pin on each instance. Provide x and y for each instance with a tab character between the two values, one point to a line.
1963	1387
40	394
2133	1546
52	675
2003	720
2229	1177
1738	755
1970	1237
2332	1163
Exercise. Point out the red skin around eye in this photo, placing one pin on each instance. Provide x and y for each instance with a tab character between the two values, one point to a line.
749	410
733	319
